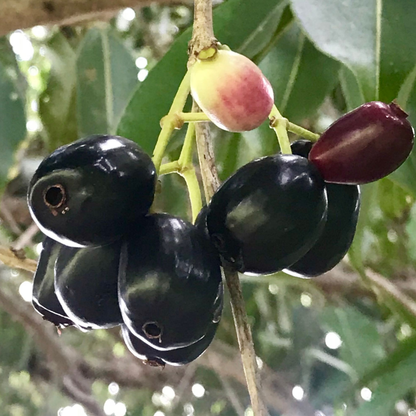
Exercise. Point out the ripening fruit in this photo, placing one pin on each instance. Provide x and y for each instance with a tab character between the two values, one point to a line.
268	214
169	282
364	145
232	91
339	229
89	192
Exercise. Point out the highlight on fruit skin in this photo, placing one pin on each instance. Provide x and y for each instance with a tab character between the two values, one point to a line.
364	145
232	91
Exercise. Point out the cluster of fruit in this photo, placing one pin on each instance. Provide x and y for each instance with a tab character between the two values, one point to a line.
107	261
299	212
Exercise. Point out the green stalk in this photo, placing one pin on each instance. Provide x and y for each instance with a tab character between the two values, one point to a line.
279	124
171	121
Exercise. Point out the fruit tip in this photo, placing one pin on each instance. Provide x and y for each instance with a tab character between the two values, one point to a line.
397	110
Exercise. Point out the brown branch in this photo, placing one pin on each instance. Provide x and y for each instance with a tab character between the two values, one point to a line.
16	260
23	14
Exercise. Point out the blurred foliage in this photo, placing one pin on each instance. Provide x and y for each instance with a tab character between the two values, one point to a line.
349	349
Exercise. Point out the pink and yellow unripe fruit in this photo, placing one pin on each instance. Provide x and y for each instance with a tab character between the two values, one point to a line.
232	91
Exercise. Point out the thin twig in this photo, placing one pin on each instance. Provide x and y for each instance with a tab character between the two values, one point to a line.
26	238
16	260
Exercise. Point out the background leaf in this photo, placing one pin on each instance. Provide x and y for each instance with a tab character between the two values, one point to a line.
57	103
12	112
298	72
373	38
106	75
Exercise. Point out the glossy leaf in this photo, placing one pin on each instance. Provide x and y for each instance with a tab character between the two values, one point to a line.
240	25
298	73
12	112
57	103
106	76
373	38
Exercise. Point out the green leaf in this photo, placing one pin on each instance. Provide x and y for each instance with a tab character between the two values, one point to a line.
12	114
392	386
243	26
299	73
411	233
373	38
106	76
350	88
361	343
356	253
404	350
405	176
57	103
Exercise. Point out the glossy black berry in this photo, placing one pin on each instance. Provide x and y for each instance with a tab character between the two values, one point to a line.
339	229
178	356
364	145
86	284
169	281
90	191
268	214
44	299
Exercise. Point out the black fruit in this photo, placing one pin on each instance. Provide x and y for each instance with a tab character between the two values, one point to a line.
268	214
169	282
178	356
44	299
86	285
90	191
364	145
339	229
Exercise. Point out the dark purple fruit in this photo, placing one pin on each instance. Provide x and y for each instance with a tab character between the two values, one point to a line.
268	214
178	356
169	282
90	191
86	285
339	229
44	299
364	145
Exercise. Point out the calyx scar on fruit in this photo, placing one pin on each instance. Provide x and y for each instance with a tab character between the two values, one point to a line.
89	192
231	90
364	145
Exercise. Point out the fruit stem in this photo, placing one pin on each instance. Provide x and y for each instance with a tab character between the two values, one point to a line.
279	124
194	192
193	117
185	158
171	167
187	171
171	121
300	131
